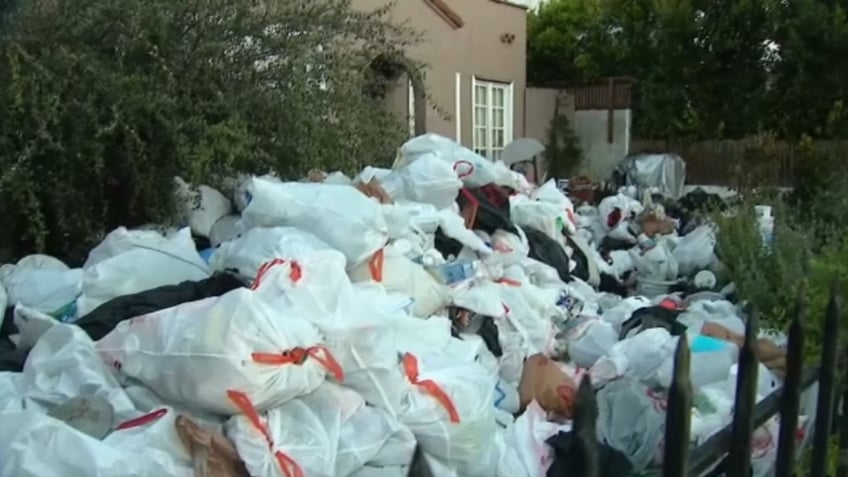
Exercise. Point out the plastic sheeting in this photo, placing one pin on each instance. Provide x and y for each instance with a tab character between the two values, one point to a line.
666	172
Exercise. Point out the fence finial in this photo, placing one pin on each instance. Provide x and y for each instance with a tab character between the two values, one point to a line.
585	440
827	384
790	397
678	414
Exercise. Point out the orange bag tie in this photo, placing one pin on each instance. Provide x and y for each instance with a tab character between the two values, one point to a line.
289	467
298	355
295	275
508	282
410	365
142	420
376	265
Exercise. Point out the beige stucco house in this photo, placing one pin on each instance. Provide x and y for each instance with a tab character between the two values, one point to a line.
475	52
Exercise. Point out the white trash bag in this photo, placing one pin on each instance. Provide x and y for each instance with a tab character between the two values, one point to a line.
153	435
40	282
451	412
246	254
292	440
64	364
342	216
202	207
11	391
357	322
194	353
42	446
473	169
141	265
398	273
528	437
225	229
428	180
694	251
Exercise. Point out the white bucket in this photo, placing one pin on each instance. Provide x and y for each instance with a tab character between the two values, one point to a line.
652	288
765	223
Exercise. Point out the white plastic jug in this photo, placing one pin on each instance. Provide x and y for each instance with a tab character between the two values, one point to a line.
711	361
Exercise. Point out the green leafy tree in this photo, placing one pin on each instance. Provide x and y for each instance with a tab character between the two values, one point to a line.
105	101
702	67
808	82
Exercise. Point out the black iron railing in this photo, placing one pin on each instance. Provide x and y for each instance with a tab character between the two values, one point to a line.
728	452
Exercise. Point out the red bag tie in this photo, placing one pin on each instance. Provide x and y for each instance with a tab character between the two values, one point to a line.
376	265
298	355
142	420
614	217
295	274
289	467
473	206
463	175
410	365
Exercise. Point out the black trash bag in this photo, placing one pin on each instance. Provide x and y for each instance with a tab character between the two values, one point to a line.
609	244
103	319
611	284
548	251
489	332
611	462
106	317
653	317
463	320
581	271
11	358
447	246
489	206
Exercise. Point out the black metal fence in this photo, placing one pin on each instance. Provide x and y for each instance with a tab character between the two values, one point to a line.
729	451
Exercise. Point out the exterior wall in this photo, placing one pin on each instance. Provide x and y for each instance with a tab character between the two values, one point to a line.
600	156
475	49
540	108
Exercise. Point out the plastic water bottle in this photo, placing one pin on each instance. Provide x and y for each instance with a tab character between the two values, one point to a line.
712	359
711	362
454	272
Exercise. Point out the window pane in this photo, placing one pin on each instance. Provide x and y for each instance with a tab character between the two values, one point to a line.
481	95
498	96
480	138
480	118
498	138
498	118
496	155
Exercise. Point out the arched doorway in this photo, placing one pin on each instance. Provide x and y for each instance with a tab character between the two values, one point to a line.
386	71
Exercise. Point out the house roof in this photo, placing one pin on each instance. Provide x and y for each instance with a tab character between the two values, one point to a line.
452	18
446	12
511	4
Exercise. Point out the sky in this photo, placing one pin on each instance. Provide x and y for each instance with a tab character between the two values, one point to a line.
529	3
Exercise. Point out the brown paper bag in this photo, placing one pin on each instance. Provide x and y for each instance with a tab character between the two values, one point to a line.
214	455
543	380
374	190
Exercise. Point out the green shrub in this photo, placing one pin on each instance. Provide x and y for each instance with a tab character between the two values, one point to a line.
562	153
105	101
765	277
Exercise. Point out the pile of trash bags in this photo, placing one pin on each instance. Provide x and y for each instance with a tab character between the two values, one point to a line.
440	312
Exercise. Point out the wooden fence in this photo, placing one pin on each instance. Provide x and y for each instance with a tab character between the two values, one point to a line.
733	162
